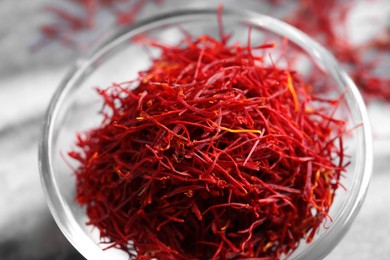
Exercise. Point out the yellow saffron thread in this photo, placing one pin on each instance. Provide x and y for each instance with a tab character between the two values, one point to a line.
292	91
241	130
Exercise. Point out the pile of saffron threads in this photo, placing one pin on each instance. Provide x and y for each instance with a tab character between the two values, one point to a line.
214	155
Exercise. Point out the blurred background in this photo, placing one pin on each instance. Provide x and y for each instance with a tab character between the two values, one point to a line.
38	44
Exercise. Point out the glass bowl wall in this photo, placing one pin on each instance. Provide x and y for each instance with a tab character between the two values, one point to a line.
74	109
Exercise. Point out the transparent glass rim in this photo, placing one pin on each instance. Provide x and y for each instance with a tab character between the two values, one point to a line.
82	67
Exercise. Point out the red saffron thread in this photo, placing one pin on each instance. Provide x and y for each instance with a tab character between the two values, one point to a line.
233	163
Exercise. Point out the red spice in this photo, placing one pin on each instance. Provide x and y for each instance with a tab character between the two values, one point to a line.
82	15
215	155
325	21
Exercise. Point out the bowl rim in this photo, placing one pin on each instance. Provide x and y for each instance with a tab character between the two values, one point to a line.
53	197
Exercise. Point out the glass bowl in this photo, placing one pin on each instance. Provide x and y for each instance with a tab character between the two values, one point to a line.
75	105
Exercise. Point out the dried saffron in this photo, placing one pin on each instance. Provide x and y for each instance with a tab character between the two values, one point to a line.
327	24
214	155
328	21
79	16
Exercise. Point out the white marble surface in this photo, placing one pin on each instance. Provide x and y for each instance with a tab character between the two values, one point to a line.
27	81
